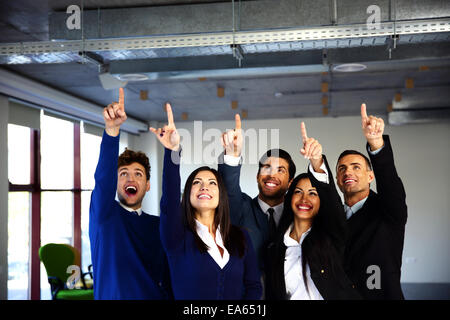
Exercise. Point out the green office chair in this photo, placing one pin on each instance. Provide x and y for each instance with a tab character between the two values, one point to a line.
57	258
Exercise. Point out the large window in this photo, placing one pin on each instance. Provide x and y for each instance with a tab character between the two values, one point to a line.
18	213
18	245
51	175
90	150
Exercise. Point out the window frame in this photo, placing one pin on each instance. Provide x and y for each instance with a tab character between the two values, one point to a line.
34	288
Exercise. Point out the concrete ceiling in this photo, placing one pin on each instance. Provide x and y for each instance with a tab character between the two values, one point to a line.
277	78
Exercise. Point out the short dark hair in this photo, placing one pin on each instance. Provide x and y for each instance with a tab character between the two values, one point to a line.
233	237
348	152
129	156
278	153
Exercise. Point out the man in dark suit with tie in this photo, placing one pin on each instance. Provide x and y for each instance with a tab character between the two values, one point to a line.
376	221
261	214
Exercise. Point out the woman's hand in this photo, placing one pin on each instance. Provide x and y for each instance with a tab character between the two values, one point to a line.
168	135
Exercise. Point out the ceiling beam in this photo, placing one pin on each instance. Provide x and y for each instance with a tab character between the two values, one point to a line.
310	61
19	87
249	15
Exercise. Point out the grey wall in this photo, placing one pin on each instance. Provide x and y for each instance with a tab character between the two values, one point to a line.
146	142
4	108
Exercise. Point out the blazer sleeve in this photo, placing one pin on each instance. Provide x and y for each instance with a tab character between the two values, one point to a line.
331	212
171	225
252	275
104	193
390	187
231	177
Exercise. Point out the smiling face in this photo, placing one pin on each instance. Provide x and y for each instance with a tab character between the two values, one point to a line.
273	179
204	191
132	184
354	176
305	201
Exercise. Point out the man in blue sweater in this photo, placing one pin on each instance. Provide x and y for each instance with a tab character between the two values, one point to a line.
128	259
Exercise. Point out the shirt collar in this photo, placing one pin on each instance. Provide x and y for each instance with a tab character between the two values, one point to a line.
138	211
289	242
206	237
278	209
349	211
264	207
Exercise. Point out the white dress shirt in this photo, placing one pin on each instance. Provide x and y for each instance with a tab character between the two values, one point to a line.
278	210
138	211
293	270
213	250
349	211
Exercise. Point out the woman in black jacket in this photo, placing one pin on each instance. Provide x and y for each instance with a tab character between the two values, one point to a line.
305	260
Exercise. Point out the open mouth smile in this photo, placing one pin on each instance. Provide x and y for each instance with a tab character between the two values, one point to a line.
304	207
349	181
204	196
271	184
130	190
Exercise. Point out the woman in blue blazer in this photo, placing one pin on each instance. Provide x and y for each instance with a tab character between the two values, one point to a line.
208	257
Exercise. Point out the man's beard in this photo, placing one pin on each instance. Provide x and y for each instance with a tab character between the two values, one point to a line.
124	202
277	195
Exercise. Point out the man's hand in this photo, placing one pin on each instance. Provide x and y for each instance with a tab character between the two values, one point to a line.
373	129
114	115
232	139
168	135
311	150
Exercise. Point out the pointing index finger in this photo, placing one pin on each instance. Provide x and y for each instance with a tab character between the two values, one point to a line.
303	127
121	99
169	114
363	111
237	118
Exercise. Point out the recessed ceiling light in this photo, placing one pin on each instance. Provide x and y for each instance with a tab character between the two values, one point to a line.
278	94
133	77
349	67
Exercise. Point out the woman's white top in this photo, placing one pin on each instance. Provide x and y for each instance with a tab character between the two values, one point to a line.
213	251
293	276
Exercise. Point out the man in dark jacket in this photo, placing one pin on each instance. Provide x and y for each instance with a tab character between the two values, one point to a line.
376	220
259	215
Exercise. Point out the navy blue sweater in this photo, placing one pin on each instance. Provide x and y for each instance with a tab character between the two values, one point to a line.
196	275
127	257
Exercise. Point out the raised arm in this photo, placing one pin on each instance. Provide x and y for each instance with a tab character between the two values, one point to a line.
389	185
171	225
331	211
105	176
232	144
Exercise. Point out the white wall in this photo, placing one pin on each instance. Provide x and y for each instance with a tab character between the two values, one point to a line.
423	162
147	143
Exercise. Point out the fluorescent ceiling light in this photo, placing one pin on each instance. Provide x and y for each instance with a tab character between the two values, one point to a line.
133	77
349	67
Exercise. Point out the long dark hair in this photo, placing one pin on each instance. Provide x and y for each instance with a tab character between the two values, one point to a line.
233	237
316	246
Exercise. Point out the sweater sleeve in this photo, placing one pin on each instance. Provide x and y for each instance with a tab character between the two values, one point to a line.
252	275
171	224
105	176
331	212
231	176
389	185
